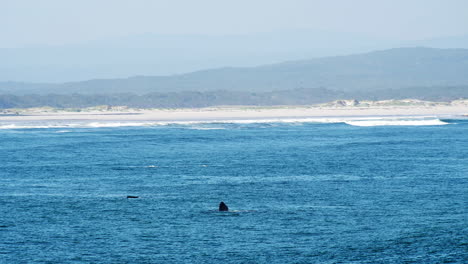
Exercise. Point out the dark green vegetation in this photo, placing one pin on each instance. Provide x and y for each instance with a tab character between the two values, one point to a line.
420	73
216	98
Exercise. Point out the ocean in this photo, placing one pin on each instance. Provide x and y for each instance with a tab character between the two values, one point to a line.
376	190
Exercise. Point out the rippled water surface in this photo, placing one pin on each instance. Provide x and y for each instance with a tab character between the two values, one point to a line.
298	193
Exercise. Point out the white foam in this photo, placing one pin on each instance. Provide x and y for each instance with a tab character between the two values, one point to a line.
354	121
207	128
278	120
396	122
77	125
14	126
165	123
116	124
63	131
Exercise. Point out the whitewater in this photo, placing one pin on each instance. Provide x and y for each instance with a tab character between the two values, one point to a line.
353	121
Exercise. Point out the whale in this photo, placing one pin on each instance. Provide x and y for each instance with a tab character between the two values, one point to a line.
223	207
132	196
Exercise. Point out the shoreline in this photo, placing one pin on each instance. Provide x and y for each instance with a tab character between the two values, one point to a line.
236	113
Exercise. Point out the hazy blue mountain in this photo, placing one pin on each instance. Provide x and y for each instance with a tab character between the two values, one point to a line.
386	69
442	42
173	54
152	55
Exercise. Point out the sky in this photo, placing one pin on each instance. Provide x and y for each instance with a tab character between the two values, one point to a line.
58	22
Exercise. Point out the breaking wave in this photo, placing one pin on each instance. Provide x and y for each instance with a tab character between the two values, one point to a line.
370	123
195	124
220	124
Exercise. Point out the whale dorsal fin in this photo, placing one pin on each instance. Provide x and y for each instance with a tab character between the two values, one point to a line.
223	207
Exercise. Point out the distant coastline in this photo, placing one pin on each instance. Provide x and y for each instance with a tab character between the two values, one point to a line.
339	108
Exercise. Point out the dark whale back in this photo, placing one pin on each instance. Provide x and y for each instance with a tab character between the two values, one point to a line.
223	207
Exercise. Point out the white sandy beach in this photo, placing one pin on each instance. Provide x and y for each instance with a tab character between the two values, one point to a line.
416	108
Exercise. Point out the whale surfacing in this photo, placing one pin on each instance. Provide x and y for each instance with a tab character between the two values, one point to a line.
223	207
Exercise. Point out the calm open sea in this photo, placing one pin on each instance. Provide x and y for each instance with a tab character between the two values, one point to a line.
298	192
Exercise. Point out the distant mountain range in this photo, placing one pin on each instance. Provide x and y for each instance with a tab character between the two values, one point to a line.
421	73
386	69
161	55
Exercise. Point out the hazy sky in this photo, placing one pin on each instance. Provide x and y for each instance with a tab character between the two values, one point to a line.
55	22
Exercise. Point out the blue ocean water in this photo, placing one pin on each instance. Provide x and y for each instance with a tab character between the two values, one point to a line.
298	193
